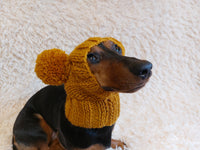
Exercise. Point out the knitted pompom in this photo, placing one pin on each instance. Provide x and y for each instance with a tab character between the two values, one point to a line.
52	66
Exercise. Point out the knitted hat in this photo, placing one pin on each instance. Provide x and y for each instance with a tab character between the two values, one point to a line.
87	104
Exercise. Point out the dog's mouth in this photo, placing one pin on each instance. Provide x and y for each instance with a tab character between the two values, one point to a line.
130	90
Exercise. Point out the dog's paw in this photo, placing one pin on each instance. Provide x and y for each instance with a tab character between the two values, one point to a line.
118	143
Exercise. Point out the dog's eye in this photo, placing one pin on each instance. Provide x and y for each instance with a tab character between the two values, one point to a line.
93	58
118	49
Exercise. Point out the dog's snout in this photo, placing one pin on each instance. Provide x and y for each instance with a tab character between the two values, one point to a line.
140	68
145	70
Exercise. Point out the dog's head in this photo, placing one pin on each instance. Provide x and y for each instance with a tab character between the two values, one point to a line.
116	72
95	67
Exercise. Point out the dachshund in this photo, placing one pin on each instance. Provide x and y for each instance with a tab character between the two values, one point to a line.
40	121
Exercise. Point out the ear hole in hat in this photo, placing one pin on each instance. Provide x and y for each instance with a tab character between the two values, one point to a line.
53	66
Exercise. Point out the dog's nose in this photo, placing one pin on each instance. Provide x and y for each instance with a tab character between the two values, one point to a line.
140	68
145	70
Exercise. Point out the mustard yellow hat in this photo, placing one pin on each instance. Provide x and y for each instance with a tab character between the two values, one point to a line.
87	104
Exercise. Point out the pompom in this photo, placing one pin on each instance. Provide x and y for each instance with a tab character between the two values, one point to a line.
52	67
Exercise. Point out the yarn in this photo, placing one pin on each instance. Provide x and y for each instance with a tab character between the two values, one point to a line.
87	104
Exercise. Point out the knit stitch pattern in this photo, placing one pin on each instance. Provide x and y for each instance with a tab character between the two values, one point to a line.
87	104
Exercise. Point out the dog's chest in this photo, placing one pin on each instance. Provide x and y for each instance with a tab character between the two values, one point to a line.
72	136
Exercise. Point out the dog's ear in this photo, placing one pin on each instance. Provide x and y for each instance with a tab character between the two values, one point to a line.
53	66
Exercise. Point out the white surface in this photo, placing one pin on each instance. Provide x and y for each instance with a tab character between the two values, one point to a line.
165	115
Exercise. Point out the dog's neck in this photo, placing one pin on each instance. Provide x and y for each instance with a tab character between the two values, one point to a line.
92	112
87	104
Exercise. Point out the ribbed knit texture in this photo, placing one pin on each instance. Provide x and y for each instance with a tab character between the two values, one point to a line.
87	104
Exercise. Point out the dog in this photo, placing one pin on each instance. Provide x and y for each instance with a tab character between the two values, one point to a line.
42	124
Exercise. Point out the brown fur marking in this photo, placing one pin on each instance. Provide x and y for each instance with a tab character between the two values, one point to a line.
45	127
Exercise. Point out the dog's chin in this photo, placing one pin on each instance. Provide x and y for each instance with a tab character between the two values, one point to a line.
131	90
